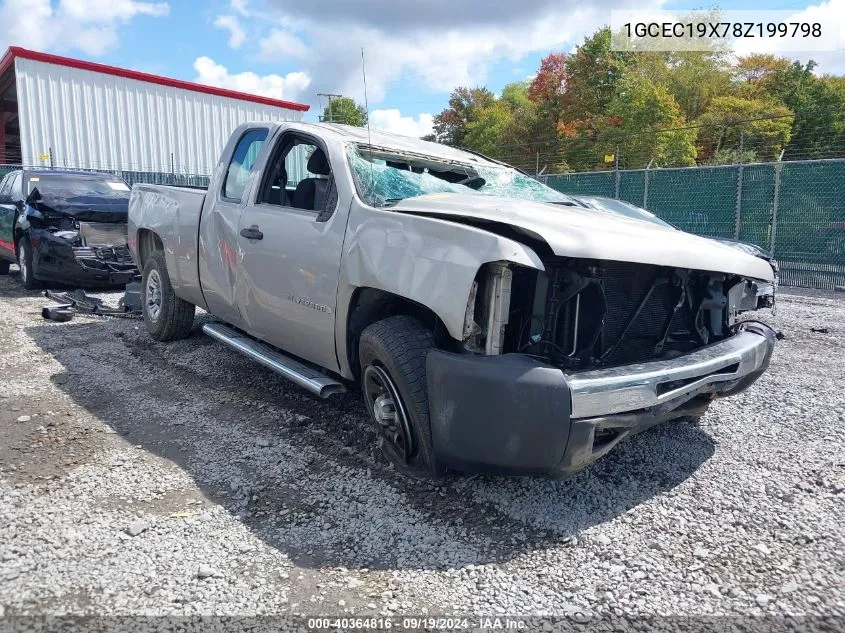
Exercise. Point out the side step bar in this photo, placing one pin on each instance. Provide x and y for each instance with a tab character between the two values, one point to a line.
293	370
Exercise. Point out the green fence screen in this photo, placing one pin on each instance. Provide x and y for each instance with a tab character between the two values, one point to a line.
794	209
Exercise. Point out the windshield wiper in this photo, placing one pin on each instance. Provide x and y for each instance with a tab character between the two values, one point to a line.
389	202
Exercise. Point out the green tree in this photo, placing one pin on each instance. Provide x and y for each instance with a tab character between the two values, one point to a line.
465	104
819	107
649	126
485	133
757	68
345	110
593	74
756	125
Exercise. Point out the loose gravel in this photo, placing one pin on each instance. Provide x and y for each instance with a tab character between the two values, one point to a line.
182	479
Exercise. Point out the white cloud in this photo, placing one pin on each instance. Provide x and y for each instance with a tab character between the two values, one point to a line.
280	44
236	33
422	42
99	11
391	120
88	25
289	86
830	15
239	6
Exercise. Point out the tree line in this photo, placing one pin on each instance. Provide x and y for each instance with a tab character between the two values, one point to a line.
597	107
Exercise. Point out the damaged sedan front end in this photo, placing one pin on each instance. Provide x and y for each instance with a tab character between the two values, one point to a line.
75	229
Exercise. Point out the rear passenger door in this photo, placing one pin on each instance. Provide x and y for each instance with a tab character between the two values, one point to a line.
291	238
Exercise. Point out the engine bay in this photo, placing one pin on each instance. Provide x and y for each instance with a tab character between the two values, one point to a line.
580	315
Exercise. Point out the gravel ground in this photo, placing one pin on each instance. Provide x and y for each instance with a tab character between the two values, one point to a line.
182	479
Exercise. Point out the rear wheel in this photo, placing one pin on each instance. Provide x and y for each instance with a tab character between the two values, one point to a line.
25	264
167	316
4	267
393	381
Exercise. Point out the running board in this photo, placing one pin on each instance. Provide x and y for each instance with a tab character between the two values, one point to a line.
293	370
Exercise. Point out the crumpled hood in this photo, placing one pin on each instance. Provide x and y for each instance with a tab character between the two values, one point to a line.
592	233
85	208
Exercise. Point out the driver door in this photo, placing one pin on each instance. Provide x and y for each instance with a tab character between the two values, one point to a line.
291	238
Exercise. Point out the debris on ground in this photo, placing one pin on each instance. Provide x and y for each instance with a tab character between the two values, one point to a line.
69	304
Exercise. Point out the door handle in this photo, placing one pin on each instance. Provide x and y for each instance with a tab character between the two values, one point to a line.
252	233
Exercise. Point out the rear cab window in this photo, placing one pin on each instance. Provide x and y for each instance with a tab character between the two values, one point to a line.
242	163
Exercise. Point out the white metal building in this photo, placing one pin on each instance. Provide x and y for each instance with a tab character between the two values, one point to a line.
71	113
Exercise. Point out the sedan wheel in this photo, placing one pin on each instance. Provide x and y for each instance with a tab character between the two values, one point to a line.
25	263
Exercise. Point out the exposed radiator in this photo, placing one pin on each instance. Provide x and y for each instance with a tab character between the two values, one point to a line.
625	285
103	233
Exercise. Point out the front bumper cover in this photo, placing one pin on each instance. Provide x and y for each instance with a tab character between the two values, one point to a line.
514	414
56	260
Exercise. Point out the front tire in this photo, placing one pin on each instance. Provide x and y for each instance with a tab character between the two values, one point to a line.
25	264
393	381
166	316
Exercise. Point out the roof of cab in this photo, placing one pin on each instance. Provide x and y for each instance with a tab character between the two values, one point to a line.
388	140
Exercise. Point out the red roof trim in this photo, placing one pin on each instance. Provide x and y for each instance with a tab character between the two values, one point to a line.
16	51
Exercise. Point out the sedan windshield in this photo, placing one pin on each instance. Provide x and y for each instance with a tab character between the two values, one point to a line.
384	178
70	184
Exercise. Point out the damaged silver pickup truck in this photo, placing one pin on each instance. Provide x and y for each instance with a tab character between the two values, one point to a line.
492	323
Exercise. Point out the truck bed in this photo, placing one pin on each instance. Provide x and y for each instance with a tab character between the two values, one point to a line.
173	213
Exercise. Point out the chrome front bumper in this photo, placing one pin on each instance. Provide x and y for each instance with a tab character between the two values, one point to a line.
715	368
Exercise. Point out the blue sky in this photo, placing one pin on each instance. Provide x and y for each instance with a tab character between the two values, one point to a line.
416	51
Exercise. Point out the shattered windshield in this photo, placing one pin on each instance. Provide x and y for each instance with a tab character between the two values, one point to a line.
384	178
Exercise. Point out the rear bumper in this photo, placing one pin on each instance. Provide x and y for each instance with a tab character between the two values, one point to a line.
55	260
514	414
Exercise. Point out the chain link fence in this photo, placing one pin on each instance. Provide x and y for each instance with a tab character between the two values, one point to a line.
794	209
132	177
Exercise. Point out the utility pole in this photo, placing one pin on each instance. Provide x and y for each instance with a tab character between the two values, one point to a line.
329	97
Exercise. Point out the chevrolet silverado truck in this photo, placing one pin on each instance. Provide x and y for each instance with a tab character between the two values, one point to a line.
492	323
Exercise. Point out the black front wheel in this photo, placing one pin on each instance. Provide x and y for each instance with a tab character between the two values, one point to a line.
393	381
25	264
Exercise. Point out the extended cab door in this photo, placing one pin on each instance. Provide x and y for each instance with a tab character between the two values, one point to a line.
219	242
291	240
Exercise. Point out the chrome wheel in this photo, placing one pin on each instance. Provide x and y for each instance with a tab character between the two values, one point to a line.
385	403
152	294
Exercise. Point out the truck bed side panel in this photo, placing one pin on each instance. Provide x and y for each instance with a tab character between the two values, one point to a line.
173	214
